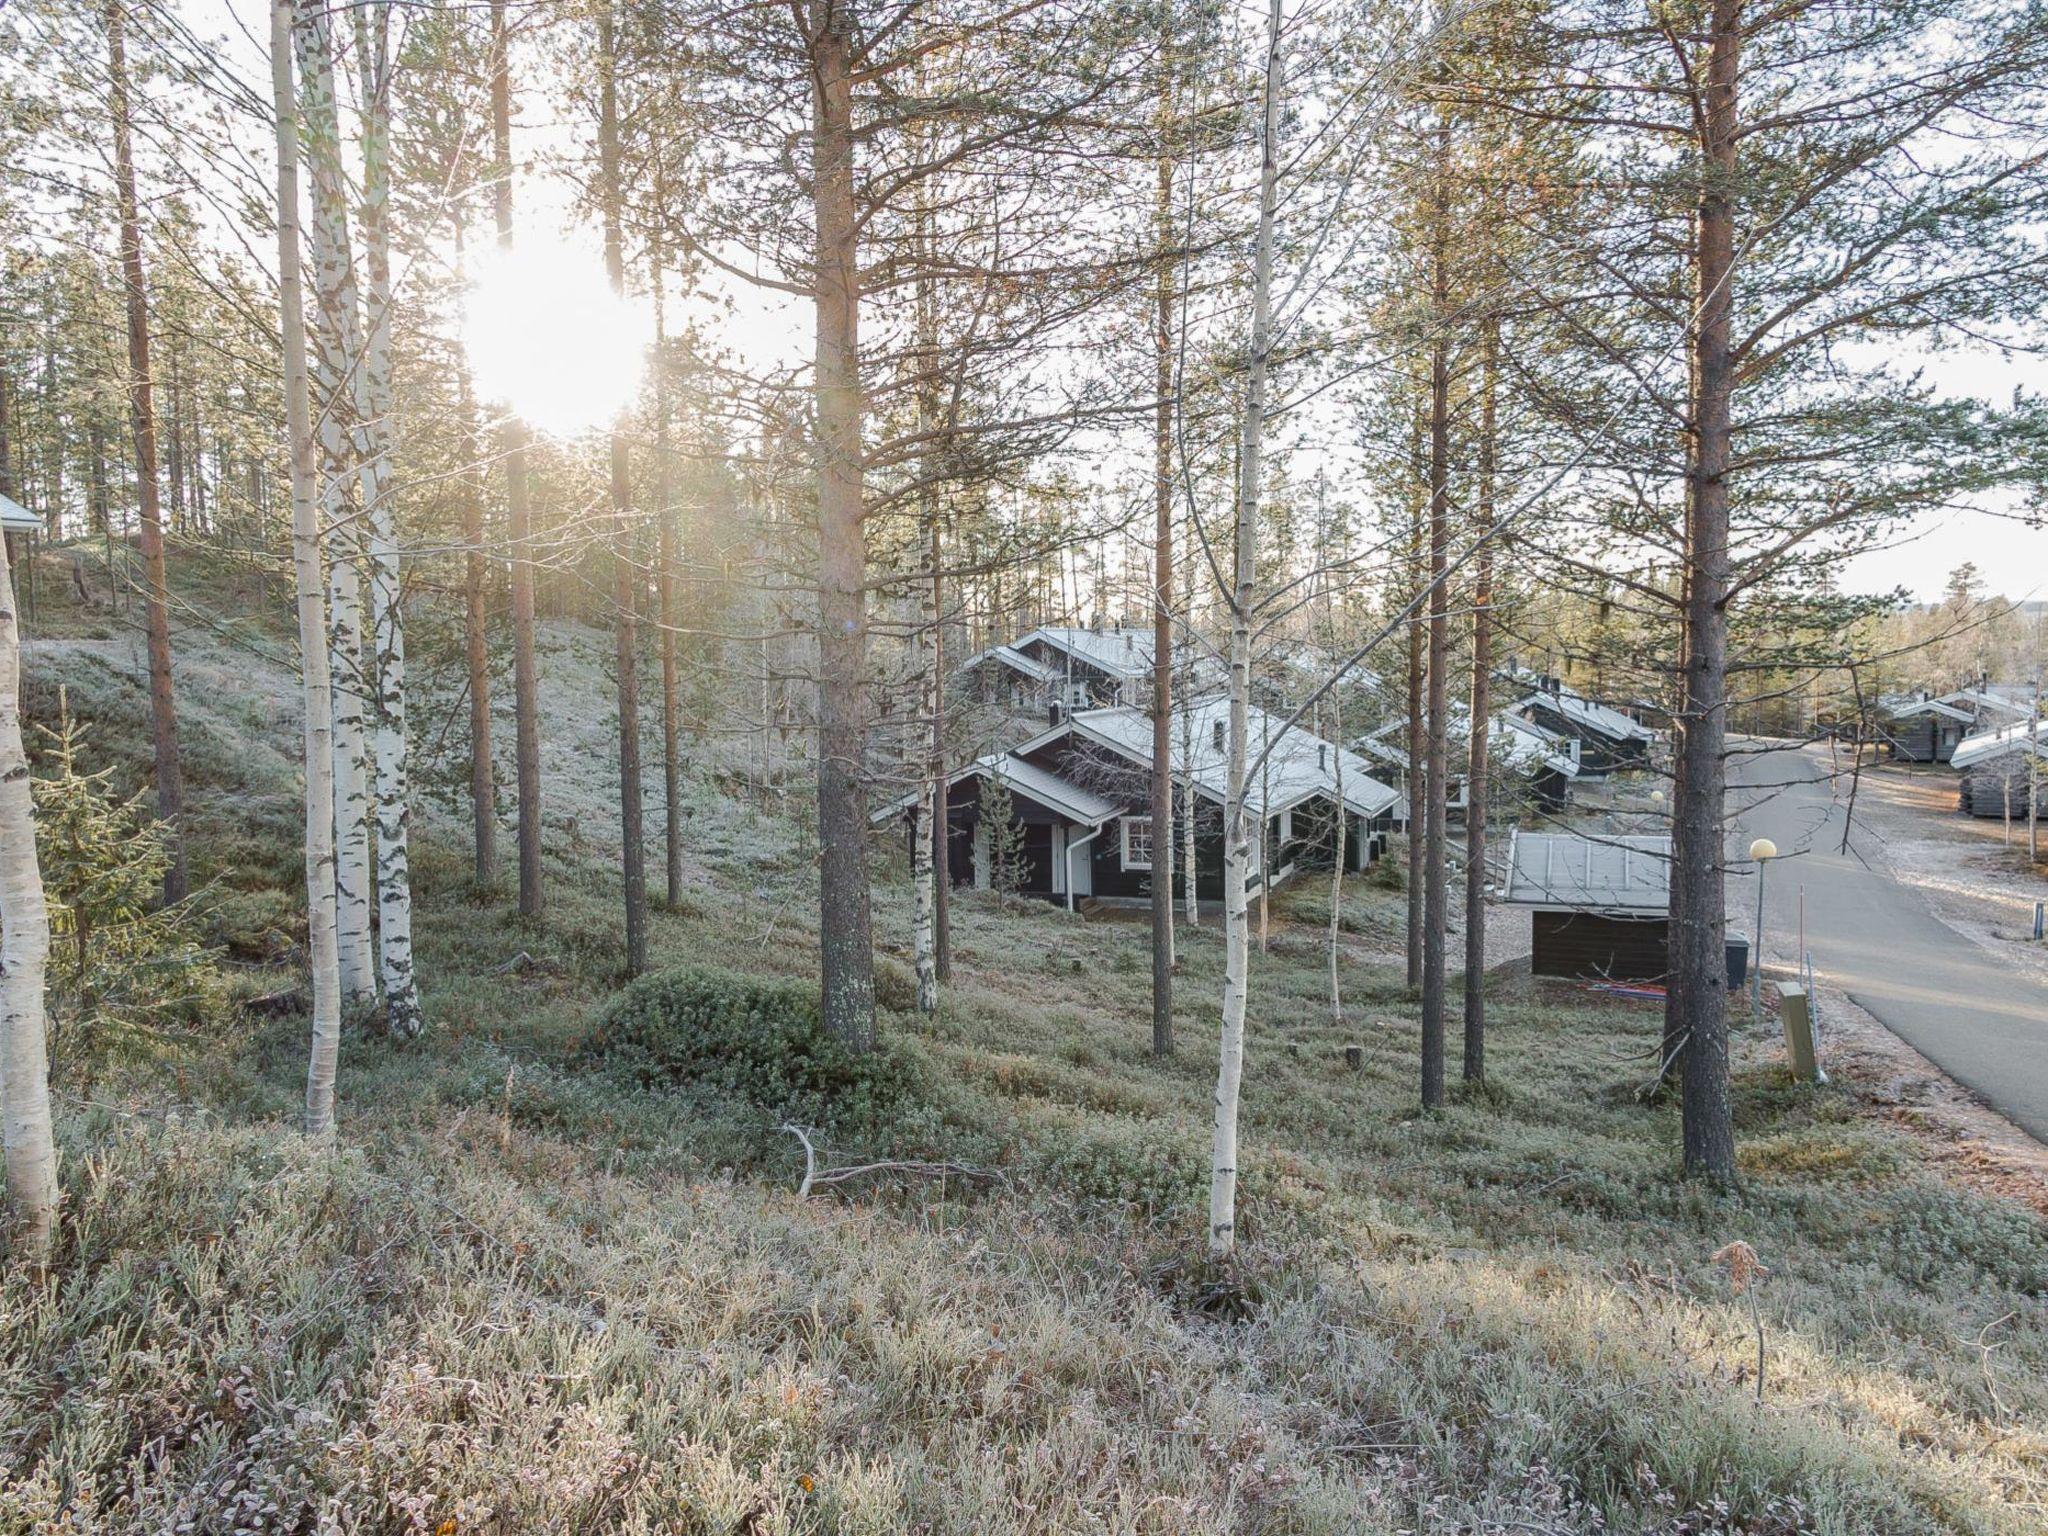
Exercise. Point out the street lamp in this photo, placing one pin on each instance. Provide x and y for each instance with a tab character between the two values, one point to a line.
1762	850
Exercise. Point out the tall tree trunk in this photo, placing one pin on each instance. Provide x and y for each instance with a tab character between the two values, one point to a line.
846	939
1477	767
1337	863
1696	1019
625	574
1162	569
25	1125
928	824
1191	895
387	614
1244	577
1436	779
316	693
668	597
483	783
163	708
942	821
344	448
518	518
1416	779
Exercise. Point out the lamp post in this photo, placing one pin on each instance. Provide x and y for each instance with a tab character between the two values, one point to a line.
1762	850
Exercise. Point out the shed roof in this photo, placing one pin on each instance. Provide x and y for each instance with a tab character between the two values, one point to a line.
2015	739
1572	872
16	518
1073	801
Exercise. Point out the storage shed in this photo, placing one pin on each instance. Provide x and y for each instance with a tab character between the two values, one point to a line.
1600	907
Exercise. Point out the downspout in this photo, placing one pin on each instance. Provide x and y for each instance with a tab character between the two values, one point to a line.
1074	847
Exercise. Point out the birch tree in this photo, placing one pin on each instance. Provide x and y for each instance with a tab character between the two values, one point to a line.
315	689
336	355
1237	832
29	1138
387	614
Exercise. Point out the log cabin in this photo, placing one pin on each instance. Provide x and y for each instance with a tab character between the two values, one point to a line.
1078	824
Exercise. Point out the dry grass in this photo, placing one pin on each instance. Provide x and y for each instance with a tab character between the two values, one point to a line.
524	1297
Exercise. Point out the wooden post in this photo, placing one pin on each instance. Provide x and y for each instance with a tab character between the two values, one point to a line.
1796	1014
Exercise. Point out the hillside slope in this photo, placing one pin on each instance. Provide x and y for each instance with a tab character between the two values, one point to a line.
527	1294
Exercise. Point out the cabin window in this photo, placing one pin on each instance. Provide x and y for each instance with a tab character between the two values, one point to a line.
1137	832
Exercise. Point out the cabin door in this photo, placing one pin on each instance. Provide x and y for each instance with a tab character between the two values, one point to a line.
1059	861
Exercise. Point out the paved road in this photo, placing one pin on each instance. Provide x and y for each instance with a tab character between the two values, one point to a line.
1981	1021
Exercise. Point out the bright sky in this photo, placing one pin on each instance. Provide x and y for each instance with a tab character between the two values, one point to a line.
764	330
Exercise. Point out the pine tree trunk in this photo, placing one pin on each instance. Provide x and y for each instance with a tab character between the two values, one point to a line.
316	692
1237	832
25	1125
1162	580
163	709
337	353
928	824
518	518
625	578
1697	1005
942	855
387	615
846	940
668	597
1416	779
1337	864
483	785
1477	767
1436	786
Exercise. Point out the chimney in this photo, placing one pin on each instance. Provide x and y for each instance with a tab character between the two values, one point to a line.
1322	757
1056	712
1130	642
1217	731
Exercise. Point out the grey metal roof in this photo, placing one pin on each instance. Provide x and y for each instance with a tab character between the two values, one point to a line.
1071	800
1016	661
16	518
1300	766
1566	870
1582	711
2015	739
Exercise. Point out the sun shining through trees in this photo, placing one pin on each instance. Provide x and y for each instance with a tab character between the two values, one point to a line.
550	341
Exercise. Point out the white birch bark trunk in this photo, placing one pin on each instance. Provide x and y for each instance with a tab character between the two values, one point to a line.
387	619
1236	830
25	1125
321	934
336	353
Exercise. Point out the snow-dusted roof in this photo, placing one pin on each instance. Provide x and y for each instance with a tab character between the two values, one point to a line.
1071	800
1999	698
1517	743
1016	661
2016	739
1301	765
15	518
1941	706
1527	746
1120	652
1627	875
1582	711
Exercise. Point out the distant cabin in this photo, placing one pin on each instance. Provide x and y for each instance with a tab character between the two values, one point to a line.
1543	762
1079	797
1599	907
1608	740
1925	728
1068	665
1995	770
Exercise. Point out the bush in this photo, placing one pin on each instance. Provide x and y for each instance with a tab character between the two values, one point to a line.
895	985
753	1038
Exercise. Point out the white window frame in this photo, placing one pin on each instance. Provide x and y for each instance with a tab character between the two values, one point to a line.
1124	842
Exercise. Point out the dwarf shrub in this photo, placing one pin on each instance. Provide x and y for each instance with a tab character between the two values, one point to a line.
754	1038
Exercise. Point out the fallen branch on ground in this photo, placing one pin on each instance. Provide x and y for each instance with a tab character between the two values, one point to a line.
814	1176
